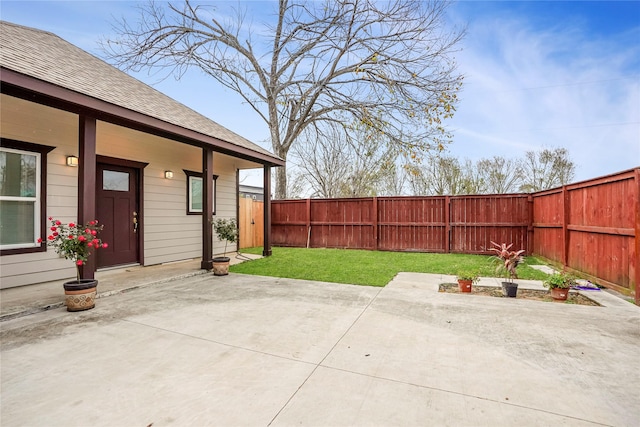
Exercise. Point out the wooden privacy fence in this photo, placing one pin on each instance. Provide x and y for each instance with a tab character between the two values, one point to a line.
463	224
590	227
593	227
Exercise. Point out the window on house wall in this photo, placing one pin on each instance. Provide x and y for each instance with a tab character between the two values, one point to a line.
22	196
194	193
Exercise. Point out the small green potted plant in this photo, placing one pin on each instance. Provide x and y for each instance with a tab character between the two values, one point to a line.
559	285
75	242
227	230
508	262
467	277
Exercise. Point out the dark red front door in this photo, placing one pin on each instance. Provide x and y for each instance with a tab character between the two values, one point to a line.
117	210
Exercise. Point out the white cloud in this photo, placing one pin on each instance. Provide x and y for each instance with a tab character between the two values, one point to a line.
526	88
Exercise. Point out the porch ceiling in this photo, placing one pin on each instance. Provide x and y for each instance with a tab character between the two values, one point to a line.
41	67
108	132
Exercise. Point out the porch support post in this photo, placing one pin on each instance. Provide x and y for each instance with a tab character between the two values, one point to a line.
238	242
87	183
207	209
266	249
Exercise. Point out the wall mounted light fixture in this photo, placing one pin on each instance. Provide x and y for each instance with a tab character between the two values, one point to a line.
168	174
72	161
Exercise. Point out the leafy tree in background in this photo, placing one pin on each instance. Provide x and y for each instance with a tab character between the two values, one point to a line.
500	175
537	171
393	181
472	181
383	65
546	168
439	175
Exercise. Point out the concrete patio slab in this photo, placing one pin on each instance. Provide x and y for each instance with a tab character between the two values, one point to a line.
491	348
302	323
544	268
246	350
357	400
151	377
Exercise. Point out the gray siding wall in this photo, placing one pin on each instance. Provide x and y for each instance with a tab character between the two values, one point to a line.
169	233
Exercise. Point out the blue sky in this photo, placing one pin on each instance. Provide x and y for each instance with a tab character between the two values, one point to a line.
537	74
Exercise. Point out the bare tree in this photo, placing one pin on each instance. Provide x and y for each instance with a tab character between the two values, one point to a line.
324	164
500	175
296	185
386	65
547	168
440	175
337	166
393	181
472	180
537	171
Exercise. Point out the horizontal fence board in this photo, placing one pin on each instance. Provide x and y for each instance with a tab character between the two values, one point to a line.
547	242
417	224
412	238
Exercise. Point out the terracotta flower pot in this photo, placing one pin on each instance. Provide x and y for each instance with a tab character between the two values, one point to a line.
465	285
559	294
221	266
80	294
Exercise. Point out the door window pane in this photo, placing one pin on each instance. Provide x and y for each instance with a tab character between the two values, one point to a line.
17	222
18	174
115	181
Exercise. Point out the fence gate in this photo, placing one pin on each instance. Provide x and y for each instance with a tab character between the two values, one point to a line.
251	223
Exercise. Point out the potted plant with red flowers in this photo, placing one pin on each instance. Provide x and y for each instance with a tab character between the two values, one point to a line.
227	230
75	242
508	261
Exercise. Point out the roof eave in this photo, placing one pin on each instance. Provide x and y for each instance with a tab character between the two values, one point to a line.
36	90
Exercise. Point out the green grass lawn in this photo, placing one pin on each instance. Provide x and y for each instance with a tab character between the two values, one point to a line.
373	268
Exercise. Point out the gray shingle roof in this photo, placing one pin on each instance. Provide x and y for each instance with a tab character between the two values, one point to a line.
45	56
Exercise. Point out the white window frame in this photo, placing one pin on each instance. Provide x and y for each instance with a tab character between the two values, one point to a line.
37	200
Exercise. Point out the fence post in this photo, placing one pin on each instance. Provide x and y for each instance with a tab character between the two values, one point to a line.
374	222
636	263
530	224
308	218
447	224
565	226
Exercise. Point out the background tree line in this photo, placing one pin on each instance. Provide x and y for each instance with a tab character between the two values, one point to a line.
337	169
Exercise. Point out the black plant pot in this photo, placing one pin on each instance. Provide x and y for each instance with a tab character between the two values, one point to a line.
509	289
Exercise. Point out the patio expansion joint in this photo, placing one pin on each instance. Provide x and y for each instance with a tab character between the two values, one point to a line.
458	393
317	365
238	347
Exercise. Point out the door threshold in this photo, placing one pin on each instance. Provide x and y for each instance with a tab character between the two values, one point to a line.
117	267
